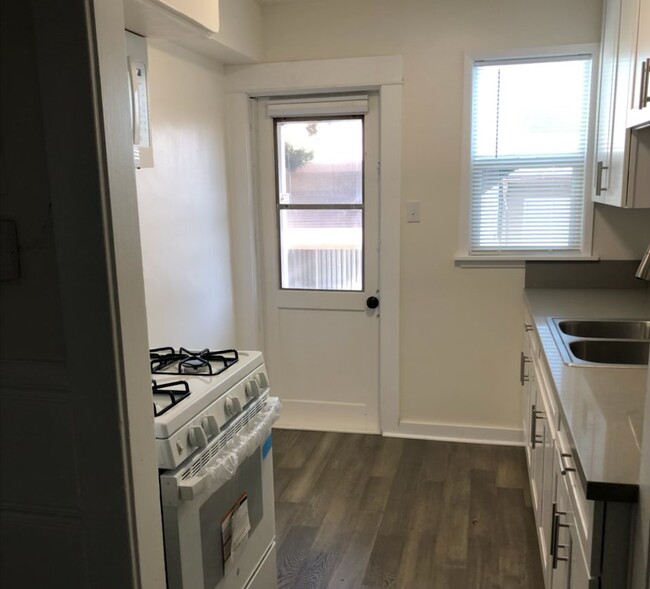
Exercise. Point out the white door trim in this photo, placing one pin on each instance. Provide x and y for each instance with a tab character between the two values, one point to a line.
383	74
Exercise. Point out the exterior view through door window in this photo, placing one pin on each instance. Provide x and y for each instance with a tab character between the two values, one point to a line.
320	203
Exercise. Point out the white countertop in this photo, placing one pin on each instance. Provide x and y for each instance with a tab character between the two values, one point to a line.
602	407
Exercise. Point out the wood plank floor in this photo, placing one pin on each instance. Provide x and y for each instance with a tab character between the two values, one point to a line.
355	510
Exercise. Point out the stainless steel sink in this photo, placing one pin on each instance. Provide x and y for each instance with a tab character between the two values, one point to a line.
615	329
602	342
602	351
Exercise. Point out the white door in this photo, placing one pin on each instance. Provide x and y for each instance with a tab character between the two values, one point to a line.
318	187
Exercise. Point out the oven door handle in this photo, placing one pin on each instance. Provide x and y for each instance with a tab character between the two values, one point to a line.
191	488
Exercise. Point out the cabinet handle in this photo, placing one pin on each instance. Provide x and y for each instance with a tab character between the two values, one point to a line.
555	535
645	83
563	467
599	177
534	416
523	377
528	327
553	529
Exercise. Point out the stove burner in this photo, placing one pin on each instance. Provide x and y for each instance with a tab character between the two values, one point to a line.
173	396
168	361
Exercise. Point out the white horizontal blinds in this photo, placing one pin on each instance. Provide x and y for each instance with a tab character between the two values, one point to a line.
530	123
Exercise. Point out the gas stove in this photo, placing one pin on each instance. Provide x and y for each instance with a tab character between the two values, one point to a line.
213	415
183	361
192	408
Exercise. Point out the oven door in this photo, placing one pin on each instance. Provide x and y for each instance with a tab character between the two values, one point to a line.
197	556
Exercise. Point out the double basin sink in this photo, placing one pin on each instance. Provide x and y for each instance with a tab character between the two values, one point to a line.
607	342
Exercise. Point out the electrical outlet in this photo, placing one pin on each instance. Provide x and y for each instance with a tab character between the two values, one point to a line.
413	211
9	264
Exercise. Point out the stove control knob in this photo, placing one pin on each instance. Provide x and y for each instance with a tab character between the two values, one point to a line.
252	388
210	425
197	437
231	406
264	382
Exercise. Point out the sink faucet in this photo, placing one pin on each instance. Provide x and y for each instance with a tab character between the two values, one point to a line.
643	271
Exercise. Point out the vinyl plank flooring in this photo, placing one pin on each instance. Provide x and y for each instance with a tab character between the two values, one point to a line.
358	511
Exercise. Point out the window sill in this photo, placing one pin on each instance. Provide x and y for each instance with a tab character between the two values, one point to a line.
515	261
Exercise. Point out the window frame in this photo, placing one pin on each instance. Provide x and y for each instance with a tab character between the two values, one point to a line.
464	257
279	206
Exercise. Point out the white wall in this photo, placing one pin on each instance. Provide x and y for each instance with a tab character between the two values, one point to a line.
183	204
461	329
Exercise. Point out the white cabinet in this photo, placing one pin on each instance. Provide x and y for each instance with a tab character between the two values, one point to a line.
583	543
639	105
619	151
568	568
538	416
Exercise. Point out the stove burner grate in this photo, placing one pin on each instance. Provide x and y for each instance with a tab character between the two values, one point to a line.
166	360
173	395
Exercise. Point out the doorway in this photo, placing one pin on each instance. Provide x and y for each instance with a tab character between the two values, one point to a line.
319	215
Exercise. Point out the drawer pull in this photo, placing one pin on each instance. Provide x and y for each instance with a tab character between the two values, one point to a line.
563	466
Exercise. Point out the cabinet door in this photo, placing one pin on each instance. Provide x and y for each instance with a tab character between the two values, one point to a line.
639	106
528	395
536	448
612	136
562	528
602	191
567	565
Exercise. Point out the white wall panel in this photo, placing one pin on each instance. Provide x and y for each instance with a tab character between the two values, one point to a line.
460	328
183	204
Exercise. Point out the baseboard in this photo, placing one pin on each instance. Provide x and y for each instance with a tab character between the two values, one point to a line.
322	416
457	433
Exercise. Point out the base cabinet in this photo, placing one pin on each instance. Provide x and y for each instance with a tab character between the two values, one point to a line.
567	567
584	544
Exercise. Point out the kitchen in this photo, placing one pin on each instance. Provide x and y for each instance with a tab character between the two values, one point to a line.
436	298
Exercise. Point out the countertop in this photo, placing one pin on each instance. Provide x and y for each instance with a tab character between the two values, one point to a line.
602	408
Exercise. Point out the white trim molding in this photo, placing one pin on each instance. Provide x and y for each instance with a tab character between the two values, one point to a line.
315	77
469	434
331	76
324	416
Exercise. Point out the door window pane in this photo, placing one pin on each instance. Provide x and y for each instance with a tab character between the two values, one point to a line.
320	162
321	249
320	203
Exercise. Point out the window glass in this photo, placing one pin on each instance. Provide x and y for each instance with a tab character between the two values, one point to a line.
530	122
320	203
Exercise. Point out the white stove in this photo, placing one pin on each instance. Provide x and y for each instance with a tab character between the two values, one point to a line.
212	402
213	416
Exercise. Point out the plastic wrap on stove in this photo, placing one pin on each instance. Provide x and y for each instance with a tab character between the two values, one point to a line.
242	445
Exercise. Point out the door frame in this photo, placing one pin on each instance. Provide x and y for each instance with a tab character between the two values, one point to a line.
244	83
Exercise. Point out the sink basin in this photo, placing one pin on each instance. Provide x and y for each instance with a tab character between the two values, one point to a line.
611	351
602	342
616	329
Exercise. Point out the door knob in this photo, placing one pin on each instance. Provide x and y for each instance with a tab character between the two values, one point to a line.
372	302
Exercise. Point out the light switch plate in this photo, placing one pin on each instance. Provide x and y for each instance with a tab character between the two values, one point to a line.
413	211
9	263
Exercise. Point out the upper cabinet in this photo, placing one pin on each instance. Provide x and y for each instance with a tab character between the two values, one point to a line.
226	31
621	153
639	106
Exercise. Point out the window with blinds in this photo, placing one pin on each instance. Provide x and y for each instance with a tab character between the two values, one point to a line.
529	140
